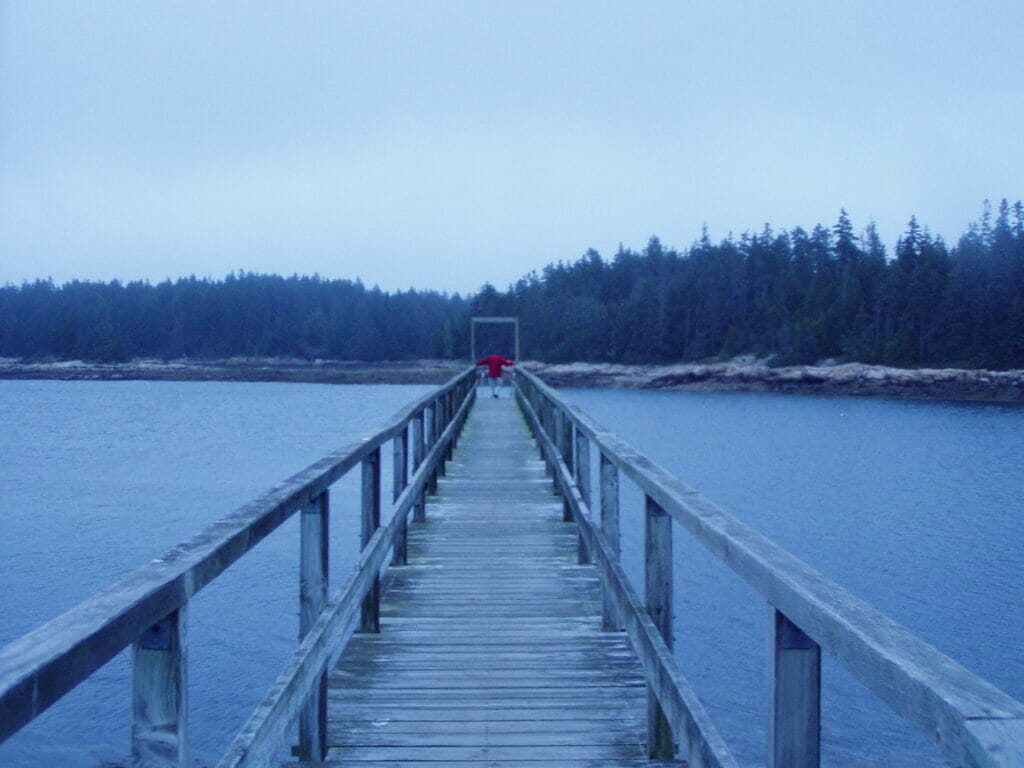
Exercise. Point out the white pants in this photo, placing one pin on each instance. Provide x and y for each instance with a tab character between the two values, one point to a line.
494	385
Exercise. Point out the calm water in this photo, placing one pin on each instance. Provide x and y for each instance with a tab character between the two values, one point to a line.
915	507
96	478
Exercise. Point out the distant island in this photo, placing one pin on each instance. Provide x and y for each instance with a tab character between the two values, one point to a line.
790	299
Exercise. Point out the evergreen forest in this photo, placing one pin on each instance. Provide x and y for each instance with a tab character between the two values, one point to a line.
796	296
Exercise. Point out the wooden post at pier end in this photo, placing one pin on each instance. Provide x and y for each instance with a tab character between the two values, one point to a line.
473	321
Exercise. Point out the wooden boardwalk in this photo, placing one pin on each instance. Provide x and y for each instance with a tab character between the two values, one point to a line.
491	651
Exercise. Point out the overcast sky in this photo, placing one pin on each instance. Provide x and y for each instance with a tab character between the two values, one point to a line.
445	144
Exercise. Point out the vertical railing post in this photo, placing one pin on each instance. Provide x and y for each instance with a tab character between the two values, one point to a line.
794	696
568	428
431	438
555	432
370	618
658	581
160	694
400	479
458	395
439	424
313	575
538	408
610	528
449	417
582	465
419	509
542	419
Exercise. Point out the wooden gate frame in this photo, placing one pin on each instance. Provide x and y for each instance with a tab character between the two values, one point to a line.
472	332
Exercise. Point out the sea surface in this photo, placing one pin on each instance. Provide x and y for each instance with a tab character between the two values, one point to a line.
915	507
97	478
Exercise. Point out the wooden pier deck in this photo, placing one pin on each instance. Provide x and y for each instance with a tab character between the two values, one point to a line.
491	651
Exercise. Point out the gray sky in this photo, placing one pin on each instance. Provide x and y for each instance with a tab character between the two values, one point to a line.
444	144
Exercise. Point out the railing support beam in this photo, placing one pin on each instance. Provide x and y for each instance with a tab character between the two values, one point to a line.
582	465
794	696
557	420
610	527
313	577
419	510
400	478
370	617
431	437
160	695
658	581
568	428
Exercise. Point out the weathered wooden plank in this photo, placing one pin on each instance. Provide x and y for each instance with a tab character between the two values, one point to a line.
456	731
564	684
517	763
450	755
596	735
342	713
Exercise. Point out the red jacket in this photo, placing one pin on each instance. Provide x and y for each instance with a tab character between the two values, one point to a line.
494	364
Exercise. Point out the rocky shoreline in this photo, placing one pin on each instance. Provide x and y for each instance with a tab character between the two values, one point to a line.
739	375
851	379
238	369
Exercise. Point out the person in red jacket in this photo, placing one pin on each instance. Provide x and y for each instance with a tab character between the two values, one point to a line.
494	365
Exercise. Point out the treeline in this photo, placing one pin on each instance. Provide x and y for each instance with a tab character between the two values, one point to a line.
797	296
247	315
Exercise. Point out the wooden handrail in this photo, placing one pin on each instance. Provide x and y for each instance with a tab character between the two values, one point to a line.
258	741
40	667
968	718
681	707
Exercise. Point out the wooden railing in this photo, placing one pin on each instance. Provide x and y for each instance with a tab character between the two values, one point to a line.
147	610
969	720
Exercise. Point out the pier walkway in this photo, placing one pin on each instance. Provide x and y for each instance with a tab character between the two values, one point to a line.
491	650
